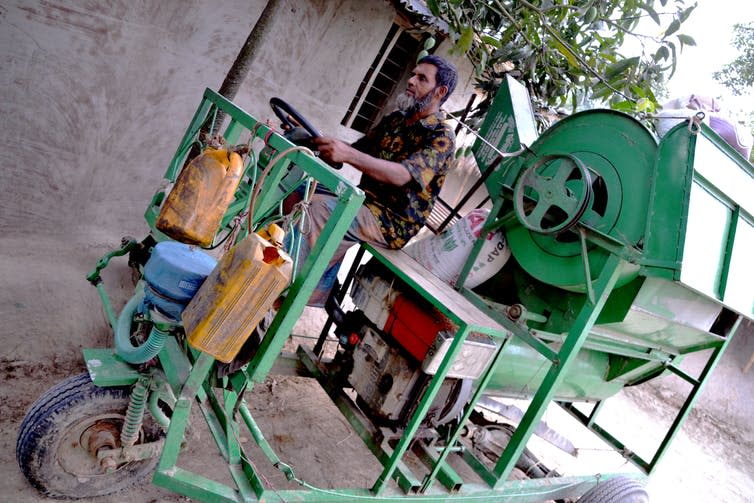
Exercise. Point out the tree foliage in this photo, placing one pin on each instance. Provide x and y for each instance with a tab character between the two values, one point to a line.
570	51
738	75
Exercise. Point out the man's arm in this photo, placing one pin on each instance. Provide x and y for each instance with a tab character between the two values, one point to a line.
381	170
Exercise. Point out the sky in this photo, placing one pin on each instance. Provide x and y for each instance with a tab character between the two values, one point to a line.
711	26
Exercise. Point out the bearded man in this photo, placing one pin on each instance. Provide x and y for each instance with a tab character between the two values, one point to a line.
403	161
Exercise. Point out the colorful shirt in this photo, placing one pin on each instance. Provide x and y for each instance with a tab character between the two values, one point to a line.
426	148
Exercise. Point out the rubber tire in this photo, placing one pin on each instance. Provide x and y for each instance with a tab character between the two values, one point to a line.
64	408
616	490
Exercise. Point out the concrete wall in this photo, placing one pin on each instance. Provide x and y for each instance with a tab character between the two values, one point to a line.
96	96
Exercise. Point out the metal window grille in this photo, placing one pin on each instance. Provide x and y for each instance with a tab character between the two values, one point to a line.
395	57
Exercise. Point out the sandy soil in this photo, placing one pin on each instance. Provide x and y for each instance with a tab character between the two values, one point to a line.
41	335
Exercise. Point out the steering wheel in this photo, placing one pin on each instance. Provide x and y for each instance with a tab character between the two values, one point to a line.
561	192
285	113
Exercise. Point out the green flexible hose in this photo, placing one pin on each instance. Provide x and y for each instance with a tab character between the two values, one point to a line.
123	346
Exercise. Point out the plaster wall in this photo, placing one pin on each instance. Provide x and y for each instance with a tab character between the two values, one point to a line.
96	96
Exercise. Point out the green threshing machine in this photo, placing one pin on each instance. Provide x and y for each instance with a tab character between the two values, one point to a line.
626	254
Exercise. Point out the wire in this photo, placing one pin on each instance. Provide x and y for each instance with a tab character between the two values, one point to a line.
314	488
399	498
257	188
502	154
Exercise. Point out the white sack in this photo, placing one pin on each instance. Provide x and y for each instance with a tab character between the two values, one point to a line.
445	254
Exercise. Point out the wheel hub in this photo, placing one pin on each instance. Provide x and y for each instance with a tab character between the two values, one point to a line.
78	449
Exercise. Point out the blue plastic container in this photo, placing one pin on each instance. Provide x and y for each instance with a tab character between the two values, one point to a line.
174	273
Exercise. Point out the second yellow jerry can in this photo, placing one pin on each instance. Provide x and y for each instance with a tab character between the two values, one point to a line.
235	296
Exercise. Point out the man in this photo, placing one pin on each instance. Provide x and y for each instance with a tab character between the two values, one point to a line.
403	161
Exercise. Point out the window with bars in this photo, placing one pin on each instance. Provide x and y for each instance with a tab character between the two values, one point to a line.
396	56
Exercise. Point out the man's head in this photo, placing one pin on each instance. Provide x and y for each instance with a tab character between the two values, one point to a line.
433	80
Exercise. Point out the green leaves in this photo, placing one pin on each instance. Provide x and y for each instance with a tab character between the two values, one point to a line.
662	53
686	40
738	75
674	26
685	13
652	13
491	41
568	52
620	67
463	45
434	8
590	15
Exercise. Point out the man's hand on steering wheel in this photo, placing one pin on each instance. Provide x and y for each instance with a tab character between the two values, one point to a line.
332	150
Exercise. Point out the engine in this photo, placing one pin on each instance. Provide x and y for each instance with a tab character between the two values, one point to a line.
393	342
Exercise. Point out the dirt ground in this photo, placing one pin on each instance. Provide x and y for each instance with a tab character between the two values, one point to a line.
710	459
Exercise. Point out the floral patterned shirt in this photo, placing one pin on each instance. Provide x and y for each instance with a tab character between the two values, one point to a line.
426	148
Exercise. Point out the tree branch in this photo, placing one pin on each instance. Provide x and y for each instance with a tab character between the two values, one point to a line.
586	66
513	21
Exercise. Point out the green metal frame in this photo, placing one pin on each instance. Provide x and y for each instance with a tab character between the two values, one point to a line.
185	378
460	309
185	373
663	257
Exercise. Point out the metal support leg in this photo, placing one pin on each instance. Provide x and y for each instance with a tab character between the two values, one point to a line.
691	399
421	412
180	418
481	387
571	346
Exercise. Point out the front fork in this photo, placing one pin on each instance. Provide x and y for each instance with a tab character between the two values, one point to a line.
151	390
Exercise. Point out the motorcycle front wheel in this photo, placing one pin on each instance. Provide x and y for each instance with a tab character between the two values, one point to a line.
64	426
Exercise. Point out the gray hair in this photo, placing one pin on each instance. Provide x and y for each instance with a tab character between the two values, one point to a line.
447	75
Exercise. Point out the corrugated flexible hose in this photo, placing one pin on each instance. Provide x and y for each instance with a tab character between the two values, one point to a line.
123	346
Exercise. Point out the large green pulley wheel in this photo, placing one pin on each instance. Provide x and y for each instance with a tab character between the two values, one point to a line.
552	194
59	437
617	155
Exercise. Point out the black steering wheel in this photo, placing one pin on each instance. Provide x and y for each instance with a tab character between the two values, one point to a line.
294	133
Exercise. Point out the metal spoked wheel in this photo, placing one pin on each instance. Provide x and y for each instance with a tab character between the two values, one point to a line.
60	435
552	194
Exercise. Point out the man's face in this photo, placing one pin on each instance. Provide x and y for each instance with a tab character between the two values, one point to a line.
421	89
423	81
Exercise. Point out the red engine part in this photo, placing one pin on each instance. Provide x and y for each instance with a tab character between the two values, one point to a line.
415	326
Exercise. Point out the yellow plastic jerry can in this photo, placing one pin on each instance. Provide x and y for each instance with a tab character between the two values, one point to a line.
200	197
235	296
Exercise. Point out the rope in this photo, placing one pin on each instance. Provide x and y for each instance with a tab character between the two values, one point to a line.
253	466
300	212
278	157
230	238
694	121
352	497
